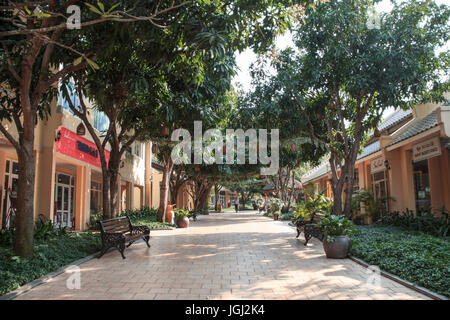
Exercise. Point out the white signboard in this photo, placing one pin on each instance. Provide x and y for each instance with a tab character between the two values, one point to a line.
377	165
426	149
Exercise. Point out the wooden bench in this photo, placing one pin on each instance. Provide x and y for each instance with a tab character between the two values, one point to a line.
119	231
309	227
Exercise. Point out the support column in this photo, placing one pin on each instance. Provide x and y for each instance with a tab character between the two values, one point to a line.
148	174
407	183
87	198
80	195
445	166
436	187
45	182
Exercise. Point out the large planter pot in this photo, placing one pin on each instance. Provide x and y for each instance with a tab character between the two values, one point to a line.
183	222
338	249
275	216
219	207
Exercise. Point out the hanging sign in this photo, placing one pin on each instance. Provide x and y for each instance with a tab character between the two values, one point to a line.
426	149
377	165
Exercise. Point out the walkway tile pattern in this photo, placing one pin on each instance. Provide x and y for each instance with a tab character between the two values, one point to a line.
223	256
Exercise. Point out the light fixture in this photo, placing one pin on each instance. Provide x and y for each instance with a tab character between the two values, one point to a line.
386	164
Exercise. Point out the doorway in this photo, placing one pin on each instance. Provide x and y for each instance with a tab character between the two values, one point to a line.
421	185
380	190
65	193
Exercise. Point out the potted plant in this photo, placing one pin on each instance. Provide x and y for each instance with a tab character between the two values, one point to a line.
336	242
274	208
182	218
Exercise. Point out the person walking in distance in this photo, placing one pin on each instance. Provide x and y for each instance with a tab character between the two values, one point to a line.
236	205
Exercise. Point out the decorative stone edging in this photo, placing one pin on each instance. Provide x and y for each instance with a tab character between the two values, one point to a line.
403	282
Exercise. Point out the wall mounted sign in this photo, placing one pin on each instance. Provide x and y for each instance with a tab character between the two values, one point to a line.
72	145
377	165
426	149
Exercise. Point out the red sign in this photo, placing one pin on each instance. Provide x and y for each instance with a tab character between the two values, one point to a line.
79	148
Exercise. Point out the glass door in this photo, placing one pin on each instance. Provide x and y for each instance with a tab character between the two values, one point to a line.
65	200
421	185
380	190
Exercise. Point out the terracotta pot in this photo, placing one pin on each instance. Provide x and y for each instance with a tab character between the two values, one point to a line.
219	207
170	213
183	222
338	249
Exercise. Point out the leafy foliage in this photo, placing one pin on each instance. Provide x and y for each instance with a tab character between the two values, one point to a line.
423	221
315	203
373	207
51	253
336	225
181	213
415	257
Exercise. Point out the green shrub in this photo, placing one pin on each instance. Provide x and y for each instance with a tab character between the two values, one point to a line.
287	216
413	256
50	254
144	212
336	225
93	221
422	221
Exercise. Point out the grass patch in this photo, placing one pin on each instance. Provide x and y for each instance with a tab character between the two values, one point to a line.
49	255
413	256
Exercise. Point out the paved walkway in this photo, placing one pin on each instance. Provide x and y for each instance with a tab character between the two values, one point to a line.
223	256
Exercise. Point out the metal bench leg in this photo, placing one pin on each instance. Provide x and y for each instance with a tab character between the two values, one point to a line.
307	238
121	248
298	233
146	239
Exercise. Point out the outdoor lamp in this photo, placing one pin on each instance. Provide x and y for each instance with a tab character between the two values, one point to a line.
386	164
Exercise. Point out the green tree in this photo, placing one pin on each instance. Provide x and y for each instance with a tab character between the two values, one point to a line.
31	53
344	73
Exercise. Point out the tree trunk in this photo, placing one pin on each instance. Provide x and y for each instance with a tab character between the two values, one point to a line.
105	200
203	198
114	192
24	222
348	212
216	196
164	190
113	172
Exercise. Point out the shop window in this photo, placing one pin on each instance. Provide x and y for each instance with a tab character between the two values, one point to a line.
101	121
138	149
421	185
96	197
355	180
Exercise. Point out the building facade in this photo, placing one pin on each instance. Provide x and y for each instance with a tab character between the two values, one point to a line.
406	160
68	183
